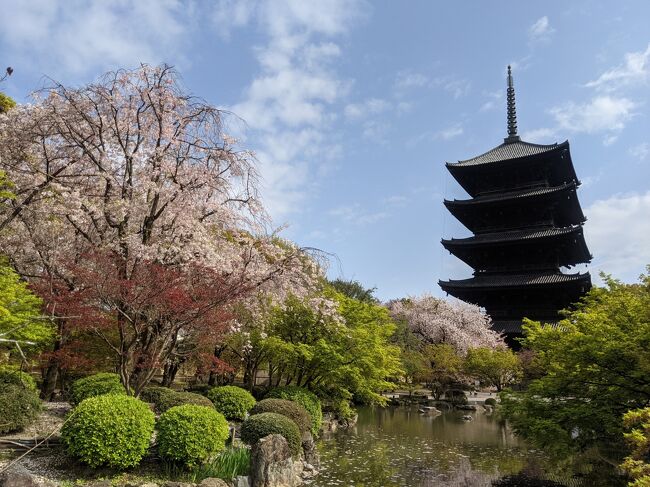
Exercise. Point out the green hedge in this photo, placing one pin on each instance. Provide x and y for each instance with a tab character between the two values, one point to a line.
191	434
260	425
231	401
306	399
95	385
112	430
290	409
10	375
174	398
19	407
153	394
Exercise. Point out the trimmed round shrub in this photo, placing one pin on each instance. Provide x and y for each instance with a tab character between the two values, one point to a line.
174	398
306	399
19	407
95	385
112	430
490	401
291	409
153	394
9	375
260	425
191	434
232	401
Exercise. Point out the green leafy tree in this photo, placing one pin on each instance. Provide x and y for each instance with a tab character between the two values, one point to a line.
21	326
6	103
597	367
446	368
637	464
342	355
355	290
495	367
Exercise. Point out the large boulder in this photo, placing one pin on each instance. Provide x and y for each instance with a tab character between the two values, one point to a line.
272	464
310	451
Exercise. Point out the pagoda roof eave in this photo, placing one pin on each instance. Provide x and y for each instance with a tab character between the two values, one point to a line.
509	152
507	237
512	195
496	281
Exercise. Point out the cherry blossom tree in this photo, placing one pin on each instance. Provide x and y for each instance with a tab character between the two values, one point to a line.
130	183
437	321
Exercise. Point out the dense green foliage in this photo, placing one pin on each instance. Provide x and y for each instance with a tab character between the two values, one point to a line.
494	367
445	368
20	313
229	464
12	375
490	401
260	425
596	367
112	430
6	103
153	394
637	464
95	385
19	407
232	401
292	410
339	358
191	434
355	290
306	399
175	398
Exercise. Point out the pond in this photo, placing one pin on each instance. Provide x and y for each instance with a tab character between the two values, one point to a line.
401	447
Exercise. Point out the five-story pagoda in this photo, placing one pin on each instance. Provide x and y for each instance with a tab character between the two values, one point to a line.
527	224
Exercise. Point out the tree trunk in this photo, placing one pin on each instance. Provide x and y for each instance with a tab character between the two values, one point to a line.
169	373
49	381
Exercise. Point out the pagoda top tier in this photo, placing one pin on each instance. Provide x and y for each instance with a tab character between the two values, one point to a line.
509	150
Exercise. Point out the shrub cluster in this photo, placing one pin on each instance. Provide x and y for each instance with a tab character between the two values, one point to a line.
112	430
258	426
153	394
306	399
175	398
164	398
191	434
19	407
231	401
9	375
292	410
95	385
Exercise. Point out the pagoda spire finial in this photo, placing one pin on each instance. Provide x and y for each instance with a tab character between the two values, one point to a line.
512	110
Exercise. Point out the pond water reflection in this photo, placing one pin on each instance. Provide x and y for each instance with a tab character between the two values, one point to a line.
401	447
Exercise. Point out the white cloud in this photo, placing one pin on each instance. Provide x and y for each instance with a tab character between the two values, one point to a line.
396	200
493	98
289	103
372	106
449	132
457	87
634	70
354	214
540	135
618	235
602	114
640	151
408	79
541	30
75	37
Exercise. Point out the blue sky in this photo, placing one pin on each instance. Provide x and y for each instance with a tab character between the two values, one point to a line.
353	107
